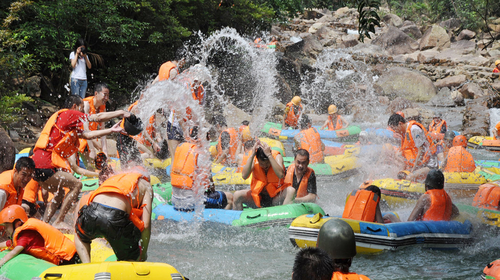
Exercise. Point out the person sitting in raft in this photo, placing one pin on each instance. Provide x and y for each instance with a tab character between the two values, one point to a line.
94	105
364	205
34	237
229	141
120	211
308	139
459	159
437	125
495	131
443	147
417	149
312	263
301	178
267	187
336	238
189	176
58	141
293	111
13	182
435	204
334	121
242	158
497	67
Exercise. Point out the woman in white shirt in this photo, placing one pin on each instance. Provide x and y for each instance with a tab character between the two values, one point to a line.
79	63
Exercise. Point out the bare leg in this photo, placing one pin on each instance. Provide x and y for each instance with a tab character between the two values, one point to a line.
229	197
239	197
83	249
172	145
284	197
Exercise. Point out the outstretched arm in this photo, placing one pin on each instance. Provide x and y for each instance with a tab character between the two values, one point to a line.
16	251
106	116
103	132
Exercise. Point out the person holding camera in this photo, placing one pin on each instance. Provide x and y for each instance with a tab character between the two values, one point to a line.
79	63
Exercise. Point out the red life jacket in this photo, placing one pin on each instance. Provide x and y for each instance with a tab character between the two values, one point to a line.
302	190
269	181
361	206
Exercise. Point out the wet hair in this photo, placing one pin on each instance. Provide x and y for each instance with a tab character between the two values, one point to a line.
220	120
261	155
79	42
249	144
374	189
25	162
305	121
342	265
395	119
193	133
225	140
100	86
245	122
302	152
312	264
72	100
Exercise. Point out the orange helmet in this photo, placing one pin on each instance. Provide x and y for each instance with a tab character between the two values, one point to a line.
401	113
460	140
245	134
296	100
11	213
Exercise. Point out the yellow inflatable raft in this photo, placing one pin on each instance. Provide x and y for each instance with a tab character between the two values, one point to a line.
484	142
224	175
113	270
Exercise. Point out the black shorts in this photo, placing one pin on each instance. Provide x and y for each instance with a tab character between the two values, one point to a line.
217	200
74	260
97	220
34	208
128	151
266	200
174	133
42	174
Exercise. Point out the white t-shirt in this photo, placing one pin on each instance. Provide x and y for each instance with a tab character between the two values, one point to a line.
3	198
420	140
80	70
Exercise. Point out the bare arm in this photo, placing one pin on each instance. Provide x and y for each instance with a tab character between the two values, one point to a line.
277	165
16	251
222	156
87	61
99	133
324	125
378	215
74	61
76	168
418	158
310	197
247	169
344	122
106	116
146	218
420	208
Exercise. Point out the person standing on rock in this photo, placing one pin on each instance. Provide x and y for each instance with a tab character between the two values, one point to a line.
293	111
334	121
58	141
497	67
79	62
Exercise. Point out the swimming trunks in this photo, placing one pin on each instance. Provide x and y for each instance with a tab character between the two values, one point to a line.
42	174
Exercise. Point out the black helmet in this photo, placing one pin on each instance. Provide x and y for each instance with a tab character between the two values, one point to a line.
336	237
435	179
449	135
132	125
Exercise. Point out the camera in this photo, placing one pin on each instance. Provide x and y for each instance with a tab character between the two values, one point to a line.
83	50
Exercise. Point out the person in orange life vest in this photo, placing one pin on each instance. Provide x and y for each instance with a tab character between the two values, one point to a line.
312	263
13	182
169	70
301	178
495	131
334	121
444	146
361	205
58	141
267	185
416	147
293	111
459	159
435	204
437	125
308	139
243	157
94	105
34	237
189	176
497	67
336	238
229	141
120	211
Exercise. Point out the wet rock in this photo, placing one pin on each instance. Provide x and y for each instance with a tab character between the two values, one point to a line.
311	45
326	19
32	86
14	135
412	30
496	85
427	56
466	35
327	32
463	46
400	104
312	14
451	24
476	120
442	99
350	40
393	20
234	115
457	97
410	84
453	81
435	36
35	119
7	151
395	41
315	27
471	90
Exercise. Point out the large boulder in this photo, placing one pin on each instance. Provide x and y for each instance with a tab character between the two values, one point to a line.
410	84
476	119
412	31
435	36
7	151
442	99
451	24
453	81
395	42
393	20
466	35
400	104
471	90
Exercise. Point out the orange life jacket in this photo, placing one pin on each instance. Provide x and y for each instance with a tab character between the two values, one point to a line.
410	151
233	145
436	126
58	248
292	118
31	191
311	141
125	184
492	269
459	160
487	197
197	95
65	148
165	68
441	206
348	276
7	184
302	191
244	161
338	123
361	206
495	70
184	167
269	181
